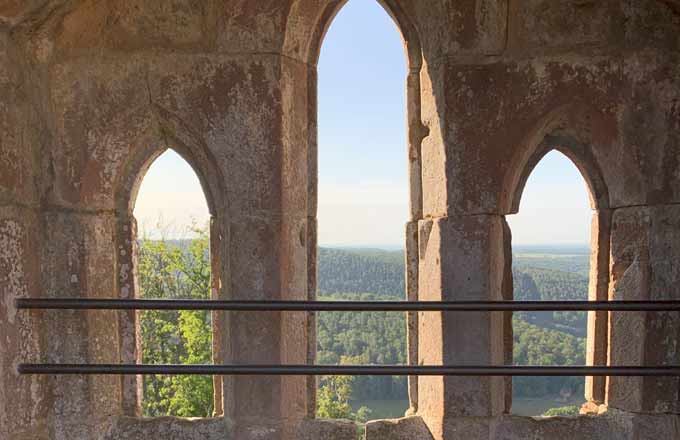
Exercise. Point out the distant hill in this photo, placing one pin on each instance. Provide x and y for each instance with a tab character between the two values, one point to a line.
364	270
539	272
559	250
361	271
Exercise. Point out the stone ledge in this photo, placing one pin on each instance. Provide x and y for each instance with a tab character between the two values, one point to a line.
321	429
408	428
167	428
172	428
611	424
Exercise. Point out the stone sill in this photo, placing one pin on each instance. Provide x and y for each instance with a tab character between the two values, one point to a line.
610	424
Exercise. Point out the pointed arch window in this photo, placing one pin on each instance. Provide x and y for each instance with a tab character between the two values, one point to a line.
552	248
363	202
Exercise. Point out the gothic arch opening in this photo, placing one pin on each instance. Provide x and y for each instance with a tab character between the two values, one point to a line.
173	261
551	261
363	205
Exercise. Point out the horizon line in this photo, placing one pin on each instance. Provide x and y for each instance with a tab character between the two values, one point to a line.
401	246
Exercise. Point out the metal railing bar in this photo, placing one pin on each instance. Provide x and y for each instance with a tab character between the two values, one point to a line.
344	306
343	370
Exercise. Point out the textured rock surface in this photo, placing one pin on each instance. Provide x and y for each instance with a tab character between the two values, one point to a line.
461	258
167	428
410	428
23	400
645	266
609	425
326	430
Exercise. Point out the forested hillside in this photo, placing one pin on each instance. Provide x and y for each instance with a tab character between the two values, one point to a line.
546	338
365	338
361	271
549	284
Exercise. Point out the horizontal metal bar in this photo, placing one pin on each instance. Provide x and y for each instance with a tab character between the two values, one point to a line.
343	370
344	306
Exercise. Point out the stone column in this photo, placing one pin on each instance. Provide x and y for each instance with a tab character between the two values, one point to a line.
312	270
78	261
265	404
416	133
298	330
508	293
412	317
461	258
598	322
269	252
129	337
312	226
645	265
254	338
220	320
24	400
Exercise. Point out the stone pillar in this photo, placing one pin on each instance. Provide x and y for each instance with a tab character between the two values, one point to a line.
220	320
598	322
312	226
507	291
254	338
24	400
298	341
312	271
461	258
271	404
268	260
129	337
416	133
78	261
645	265
412	317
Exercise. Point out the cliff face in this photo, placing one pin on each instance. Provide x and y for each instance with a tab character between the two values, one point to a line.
525	287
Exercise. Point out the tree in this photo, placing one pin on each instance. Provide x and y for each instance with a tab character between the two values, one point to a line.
562	411
175	270
333	398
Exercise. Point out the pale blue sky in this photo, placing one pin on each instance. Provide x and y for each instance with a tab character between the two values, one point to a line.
363	192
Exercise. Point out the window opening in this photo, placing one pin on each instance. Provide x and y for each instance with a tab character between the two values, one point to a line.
173	262
363	207
551	261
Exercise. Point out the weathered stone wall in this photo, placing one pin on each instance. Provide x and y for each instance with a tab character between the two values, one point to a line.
91	91
23	400
581	77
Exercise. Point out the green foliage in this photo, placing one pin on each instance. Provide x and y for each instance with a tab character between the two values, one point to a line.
176	270
361	270
572	259
193	395
333	399
532	283
538	346
563	411
364	338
